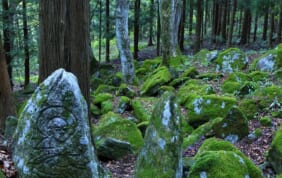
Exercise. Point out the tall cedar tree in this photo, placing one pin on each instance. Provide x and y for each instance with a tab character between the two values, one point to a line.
64	39
26	46
127	65
7	105
198	25
136	28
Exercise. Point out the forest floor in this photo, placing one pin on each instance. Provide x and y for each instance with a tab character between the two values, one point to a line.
124	168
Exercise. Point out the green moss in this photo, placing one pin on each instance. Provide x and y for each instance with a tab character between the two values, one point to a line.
230	87
158	78
266	121
116	79
204	57
275	152
213	144
125	90
102	97
199	132
176	62
219	164
203	108
210	76
120	129
104	89
257	76
190	72
151	64
143	108
107	106
123	104
268	95
191	89
165	88
249	107
94	109
233	127
179	81
231	60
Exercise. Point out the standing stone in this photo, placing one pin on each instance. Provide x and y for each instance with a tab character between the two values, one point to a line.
161	155
52	139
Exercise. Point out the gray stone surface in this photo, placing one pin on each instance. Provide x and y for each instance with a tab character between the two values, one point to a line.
52	138
161	155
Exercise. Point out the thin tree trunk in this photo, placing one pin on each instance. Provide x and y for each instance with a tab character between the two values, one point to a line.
107	30
245	27
26	46
271	30
7	37
7	105
279	30
100	30
191	5
255	27
136	28
198	26
265	24
232	19
158	31
151	23
127	65
182	27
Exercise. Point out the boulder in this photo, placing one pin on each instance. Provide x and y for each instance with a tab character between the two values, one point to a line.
202	108
218	158
249	107
231	60
123	104
275	152
113	126
233	127
159	77
53	137
143	108
161	155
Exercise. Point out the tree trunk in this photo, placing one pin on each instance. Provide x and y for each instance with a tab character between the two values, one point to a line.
224	21
26	46
159	31
265	24
7	105
191	5
64	39
100	30
127	65
216	18
255	27
7	36
246	26
279	30
182	27
271	31
107	30
151	23
136	28
170	11
198	25
232	19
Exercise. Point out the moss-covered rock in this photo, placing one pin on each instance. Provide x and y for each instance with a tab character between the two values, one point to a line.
203	108
123	104
250	108
233	127
231	60
268	95
161	155
112	125
265	121
11	123
165	88
95	110
215	145
204	57
230	87
197	134
210	76
107	106
143	108
257	76
125	90
191	88
275	152
158	78
178	81
98	99
151	64
104	89
190	72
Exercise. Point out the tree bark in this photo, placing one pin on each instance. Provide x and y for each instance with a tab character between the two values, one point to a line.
170	11
26	46
100	30
64	39
182	27
271	31
107	31
246	26
232	19
158	31
265	24
191	5
255	27
198	25
7	105
127	65
136	28
151	23
279	30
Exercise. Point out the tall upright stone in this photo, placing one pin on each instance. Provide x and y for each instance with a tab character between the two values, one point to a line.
161	155
52	139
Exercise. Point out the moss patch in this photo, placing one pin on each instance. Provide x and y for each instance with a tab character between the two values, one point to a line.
143	108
